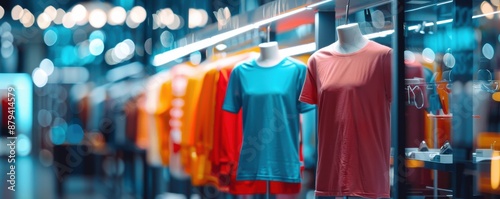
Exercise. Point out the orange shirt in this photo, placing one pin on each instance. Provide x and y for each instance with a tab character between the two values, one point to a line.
186	87
162	118
152	101
142	123
203	129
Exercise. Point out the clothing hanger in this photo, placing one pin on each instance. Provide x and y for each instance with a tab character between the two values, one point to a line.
268	33
347	12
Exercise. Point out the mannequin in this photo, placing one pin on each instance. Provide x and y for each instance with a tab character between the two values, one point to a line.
269	54
266	90
339	77
350	39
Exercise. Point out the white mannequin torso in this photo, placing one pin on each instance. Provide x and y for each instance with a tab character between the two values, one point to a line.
350	39
269	54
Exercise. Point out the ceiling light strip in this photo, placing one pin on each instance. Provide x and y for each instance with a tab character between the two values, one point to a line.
427	6
171	55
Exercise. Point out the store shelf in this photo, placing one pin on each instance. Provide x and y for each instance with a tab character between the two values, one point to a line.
432	155
432	159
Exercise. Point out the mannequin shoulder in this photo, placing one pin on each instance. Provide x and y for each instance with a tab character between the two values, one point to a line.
295	62
381	48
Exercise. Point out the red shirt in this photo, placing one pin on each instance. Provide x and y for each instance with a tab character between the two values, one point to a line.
353	94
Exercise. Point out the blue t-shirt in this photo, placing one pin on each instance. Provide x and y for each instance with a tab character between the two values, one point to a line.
269	98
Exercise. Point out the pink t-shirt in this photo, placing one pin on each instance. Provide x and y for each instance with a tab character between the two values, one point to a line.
353	94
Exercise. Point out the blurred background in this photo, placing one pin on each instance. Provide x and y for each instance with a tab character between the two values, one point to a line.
78	68
88	75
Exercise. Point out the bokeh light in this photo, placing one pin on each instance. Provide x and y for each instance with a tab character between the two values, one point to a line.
117	16
409	56
79	14
2	12
486	8
488	51
138	14
74	134
96	47
39	77
495	2
148	46
130	23
449	60
97	18
97	34
176	24
17	12
195	58
50	37
496	96
204	17
131	46
7	37
43	20
47	66
83	49
378	19
7	49
57	135
44	118
23	145
68	21
51	12
60	122
428	55
194	18
166	38
60	13
46	157
166	17
6	27
28	18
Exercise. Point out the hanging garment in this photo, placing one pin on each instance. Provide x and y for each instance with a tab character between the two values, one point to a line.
152	96
142	139
269	99
353	94
184	96
203	126
162	120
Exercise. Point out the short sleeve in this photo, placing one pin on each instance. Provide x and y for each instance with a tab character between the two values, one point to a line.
388	75
301	106
309	90
232	100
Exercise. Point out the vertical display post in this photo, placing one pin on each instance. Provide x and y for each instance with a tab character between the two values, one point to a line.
268	189
398	107
325	28
461	99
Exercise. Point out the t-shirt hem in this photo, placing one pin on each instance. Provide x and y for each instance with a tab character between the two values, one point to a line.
268	178
307	100
230	109
358	194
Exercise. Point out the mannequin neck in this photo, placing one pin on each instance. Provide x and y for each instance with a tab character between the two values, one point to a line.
269	54
350	39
